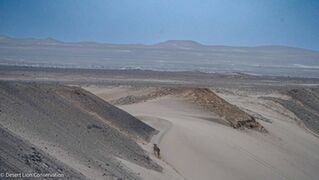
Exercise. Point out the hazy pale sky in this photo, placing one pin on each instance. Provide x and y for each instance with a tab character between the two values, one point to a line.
216	22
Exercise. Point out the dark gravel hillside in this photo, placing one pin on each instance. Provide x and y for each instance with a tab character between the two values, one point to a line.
110	114
75	127
17	156
304	103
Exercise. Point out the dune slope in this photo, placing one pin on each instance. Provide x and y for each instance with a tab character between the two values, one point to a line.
201	149
203	98
18	156
75	127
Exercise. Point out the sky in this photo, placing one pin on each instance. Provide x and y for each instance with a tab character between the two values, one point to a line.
215	22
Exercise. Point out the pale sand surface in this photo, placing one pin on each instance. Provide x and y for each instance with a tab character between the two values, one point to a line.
167	173
110	93
201	149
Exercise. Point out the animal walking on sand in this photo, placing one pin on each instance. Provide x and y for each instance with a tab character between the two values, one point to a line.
156	150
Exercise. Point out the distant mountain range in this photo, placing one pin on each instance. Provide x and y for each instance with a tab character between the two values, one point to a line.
172	55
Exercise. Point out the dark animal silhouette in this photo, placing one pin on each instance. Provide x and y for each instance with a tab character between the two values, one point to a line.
156	150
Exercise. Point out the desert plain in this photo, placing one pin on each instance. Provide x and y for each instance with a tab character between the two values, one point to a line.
102	124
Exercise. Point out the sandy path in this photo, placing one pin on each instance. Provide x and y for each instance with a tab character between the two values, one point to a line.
201	149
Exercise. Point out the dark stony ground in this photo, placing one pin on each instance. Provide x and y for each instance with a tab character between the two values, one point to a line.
151	78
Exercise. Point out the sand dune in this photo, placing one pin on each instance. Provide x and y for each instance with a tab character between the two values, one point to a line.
201	149
196	143
202	97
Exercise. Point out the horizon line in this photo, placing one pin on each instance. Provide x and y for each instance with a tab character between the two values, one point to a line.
154	44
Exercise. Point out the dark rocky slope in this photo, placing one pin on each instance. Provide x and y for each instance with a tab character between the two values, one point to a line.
304	103
233	116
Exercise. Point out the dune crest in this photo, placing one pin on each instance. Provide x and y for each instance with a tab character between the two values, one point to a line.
203	98
234	116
